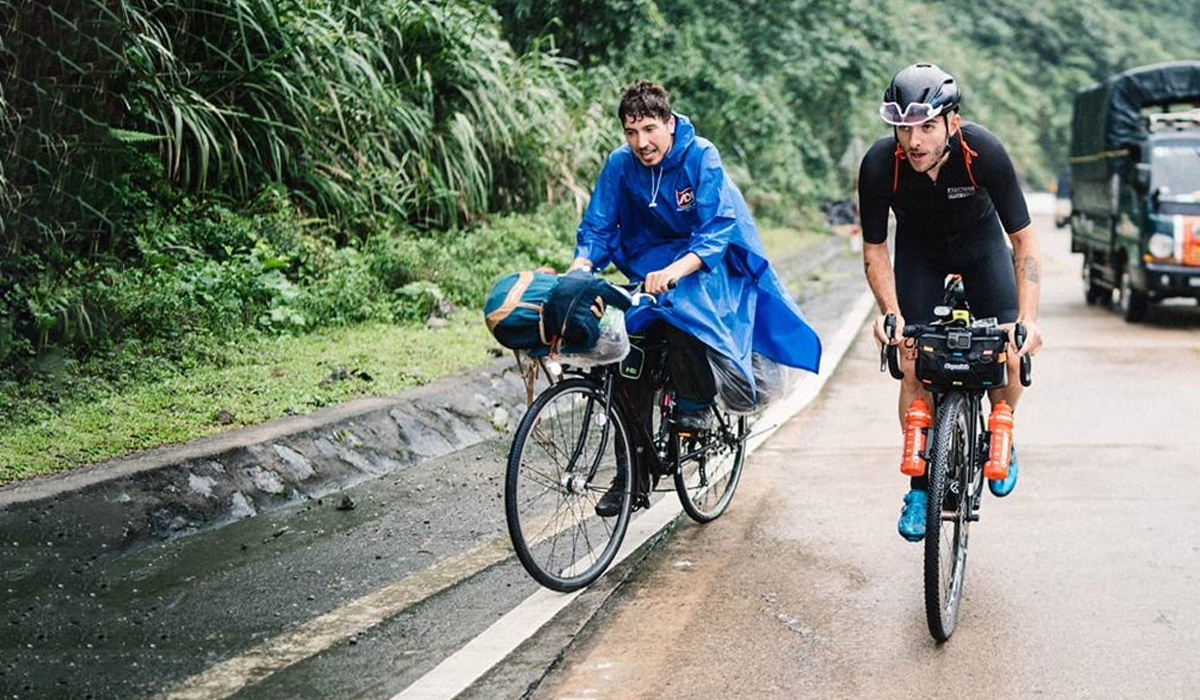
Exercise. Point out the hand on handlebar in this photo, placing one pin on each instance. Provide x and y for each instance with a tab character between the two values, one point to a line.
1033	339
659	281
888	328
1021	338
882	337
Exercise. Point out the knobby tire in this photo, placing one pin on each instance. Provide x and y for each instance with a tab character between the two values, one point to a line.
946	539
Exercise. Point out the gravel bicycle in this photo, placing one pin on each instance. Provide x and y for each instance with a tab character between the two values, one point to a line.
957	443
578	435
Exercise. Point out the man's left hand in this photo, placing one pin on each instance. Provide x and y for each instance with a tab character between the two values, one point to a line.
1033	338
659	281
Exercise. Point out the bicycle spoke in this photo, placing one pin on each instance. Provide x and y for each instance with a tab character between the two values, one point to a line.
565	455
710	468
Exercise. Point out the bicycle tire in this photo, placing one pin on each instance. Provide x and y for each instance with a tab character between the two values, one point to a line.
549	497
946	523
705	484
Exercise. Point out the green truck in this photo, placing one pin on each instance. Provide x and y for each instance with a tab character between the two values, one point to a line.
1135	178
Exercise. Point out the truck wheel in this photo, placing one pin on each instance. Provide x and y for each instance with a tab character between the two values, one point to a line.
1133	302
1093	293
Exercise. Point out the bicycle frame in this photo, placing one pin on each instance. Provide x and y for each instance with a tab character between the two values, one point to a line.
948	476
660	444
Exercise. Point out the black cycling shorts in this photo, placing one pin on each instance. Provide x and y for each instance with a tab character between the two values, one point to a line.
988	278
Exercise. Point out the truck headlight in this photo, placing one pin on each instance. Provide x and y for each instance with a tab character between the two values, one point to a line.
1161	245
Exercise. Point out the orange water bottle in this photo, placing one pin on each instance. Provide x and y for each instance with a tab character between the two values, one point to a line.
916	421
1000	424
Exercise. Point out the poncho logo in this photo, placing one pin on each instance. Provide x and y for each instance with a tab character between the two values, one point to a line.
685	199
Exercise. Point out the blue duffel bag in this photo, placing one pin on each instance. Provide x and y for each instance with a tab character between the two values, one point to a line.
540	312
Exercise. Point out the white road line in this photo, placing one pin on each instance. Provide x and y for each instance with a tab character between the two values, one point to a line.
458	671
465	666
318	634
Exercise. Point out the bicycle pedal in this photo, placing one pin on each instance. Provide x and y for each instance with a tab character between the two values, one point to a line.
972	517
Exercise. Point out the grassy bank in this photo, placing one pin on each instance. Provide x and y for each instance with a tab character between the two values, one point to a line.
270	377
261	379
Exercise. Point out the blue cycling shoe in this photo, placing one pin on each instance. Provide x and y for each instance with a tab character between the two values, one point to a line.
1002	487
912	516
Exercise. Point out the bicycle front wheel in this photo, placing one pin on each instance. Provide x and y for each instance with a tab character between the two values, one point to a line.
946	525
568	450
706	482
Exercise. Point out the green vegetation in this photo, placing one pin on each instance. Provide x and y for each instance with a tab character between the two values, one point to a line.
253	380
267	378
186	184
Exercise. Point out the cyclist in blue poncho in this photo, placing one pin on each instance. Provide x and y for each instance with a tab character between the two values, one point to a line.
665	210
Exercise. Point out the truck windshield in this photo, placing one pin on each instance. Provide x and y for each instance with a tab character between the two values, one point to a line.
1175	169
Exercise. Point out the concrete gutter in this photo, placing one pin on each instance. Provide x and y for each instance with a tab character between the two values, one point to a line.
183	489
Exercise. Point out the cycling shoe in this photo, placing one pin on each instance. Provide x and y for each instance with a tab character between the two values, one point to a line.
912	516
1002	487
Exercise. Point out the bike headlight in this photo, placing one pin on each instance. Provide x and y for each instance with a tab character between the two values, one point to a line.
1161	245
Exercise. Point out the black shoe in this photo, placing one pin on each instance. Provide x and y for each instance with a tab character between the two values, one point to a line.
610	503
693	421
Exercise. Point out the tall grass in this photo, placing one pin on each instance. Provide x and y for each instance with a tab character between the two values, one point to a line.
363	106
372	114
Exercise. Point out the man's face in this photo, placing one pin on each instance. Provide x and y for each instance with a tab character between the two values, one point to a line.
650	138
925	144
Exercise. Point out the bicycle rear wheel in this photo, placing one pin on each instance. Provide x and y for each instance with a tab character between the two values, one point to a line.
566	452
706	483
946	525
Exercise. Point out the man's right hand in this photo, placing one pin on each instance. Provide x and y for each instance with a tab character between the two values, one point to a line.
881	335
580	264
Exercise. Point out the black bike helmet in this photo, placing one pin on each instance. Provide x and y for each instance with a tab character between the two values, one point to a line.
917	94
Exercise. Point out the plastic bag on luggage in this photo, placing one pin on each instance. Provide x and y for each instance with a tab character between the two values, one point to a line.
733	389
612	345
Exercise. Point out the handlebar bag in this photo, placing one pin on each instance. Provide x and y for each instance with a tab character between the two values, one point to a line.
960	359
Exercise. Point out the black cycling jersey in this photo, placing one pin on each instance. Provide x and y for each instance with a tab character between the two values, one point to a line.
973	186
949	226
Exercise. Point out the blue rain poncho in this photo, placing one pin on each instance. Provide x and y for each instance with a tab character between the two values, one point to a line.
735	303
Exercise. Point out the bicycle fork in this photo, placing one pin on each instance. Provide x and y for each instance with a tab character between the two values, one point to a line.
576	482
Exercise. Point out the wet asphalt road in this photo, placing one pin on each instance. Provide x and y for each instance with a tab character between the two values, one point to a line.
1081	584
86	624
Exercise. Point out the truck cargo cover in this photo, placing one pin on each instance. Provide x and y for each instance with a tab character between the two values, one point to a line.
1108	115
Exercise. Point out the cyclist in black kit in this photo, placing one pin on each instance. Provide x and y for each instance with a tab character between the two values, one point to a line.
955	195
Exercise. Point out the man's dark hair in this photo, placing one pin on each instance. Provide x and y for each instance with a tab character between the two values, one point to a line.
644	99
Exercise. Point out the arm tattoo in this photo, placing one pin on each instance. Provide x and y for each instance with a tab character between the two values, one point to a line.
1031	269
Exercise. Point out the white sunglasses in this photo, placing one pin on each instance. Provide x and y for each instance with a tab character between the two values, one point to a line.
915	113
